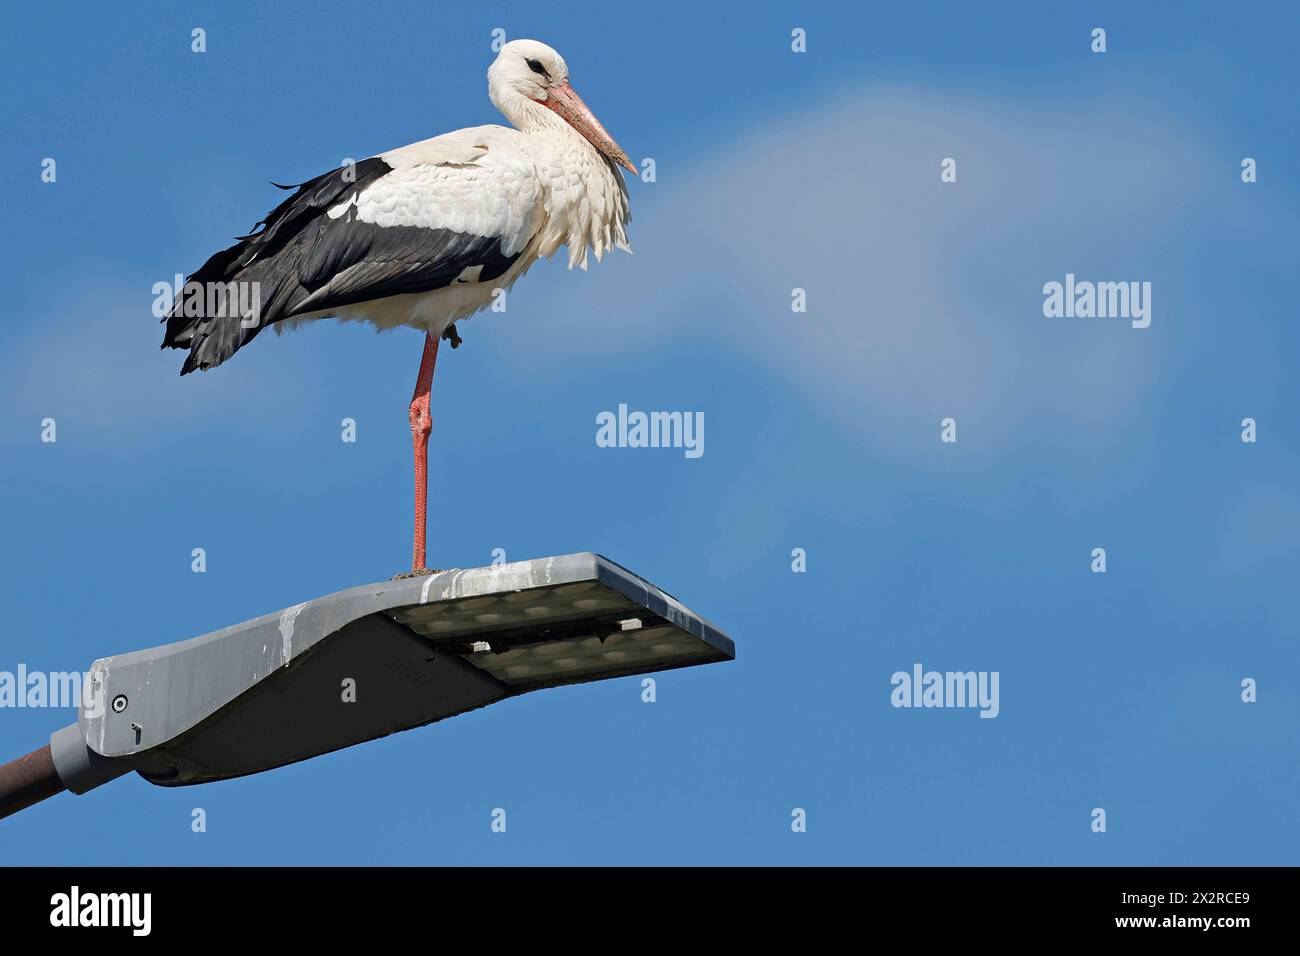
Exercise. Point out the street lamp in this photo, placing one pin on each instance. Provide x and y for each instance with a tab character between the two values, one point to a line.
356	665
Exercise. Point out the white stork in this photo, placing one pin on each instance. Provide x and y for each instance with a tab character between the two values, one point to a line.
423	235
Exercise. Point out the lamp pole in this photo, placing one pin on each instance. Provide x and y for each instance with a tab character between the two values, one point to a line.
28	780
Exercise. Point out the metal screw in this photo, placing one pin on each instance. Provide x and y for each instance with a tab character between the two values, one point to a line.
119	703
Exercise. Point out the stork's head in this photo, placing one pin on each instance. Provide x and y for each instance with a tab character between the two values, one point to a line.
528	72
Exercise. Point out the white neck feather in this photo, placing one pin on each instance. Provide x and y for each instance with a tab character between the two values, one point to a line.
592	215
529	116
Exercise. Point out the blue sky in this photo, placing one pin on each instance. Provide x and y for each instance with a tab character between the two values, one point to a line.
774	171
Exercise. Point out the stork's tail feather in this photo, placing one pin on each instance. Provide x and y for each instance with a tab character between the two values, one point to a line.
257	275
218	311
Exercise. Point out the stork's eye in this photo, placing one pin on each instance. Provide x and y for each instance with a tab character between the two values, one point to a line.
537	67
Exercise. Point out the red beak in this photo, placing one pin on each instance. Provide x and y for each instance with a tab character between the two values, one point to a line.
565	101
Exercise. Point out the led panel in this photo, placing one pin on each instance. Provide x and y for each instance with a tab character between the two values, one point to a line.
567	633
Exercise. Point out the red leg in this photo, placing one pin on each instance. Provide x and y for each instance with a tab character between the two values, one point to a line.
421	425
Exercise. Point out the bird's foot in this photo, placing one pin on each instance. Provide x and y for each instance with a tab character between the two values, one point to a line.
451	336
422	572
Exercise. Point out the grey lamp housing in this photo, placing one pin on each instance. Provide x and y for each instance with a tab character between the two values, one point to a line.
370	661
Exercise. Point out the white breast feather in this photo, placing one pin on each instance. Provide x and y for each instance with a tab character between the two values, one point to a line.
536	192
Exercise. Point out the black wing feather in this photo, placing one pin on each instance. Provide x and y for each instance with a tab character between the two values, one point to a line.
304	261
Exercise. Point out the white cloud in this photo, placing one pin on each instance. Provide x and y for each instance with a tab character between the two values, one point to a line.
924	298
